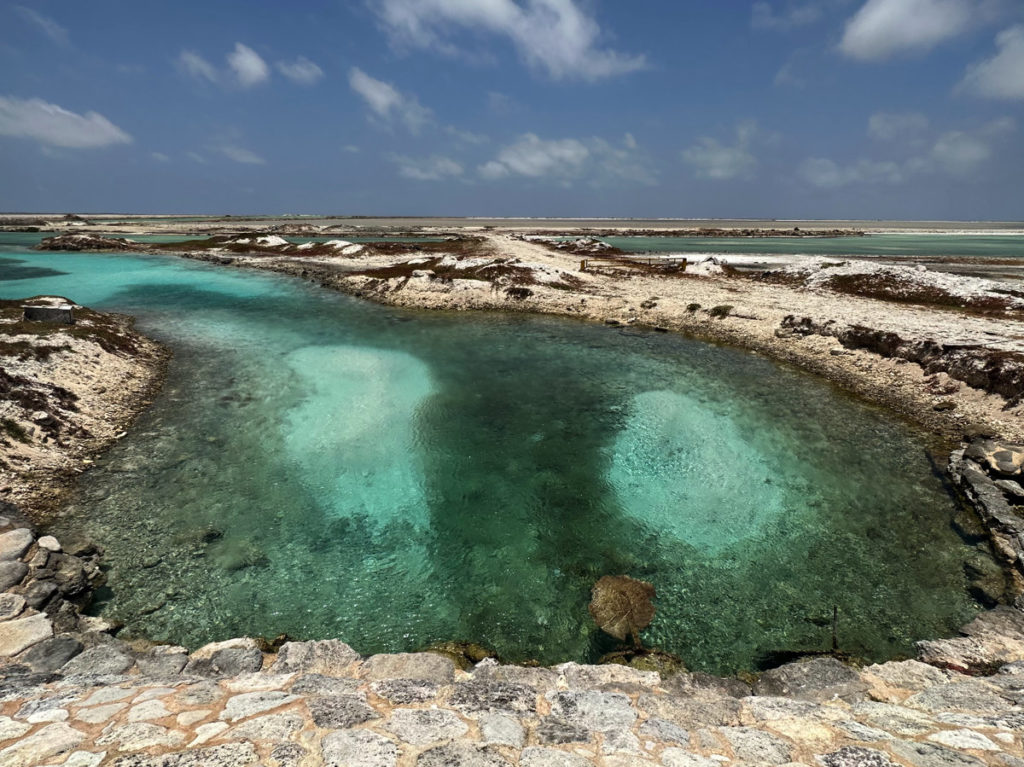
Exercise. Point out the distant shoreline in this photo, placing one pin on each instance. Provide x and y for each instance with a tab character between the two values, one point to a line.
867	226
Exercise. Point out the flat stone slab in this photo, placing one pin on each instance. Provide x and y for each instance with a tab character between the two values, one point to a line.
15	543
21	633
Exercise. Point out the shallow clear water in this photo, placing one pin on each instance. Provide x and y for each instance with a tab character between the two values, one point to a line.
886	245
324	467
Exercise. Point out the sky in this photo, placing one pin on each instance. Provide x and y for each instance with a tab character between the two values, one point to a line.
876	109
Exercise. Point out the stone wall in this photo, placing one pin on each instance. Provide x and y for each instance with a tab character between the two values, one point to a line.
72	694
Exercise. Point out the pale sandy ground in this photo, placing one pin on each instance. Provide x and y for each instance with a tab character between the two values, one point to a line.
758	310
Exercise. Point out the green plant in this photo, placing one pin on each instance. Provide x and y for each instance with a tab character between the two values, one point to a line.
721	311
14	430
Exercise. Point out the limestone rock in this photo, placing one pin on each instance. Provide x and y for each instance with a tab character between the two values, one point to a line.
21	633
229	658
359	748
14	544
555	731
250	703
227	755
101	660
329	657
550	757
812	679
462	755
37	748
856	756
403	692
50	654
11	605
598	711
501	730
973	696
752	745
423	726
932	755
428	667
11	574
340	711
493	697
273	727
139	736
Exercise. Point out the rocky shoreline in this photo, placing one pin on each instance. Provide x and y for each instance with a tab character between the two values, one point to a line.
70	391
72	694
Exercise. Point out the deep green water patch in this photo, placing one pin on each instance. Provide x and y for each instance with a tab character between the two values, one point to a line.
324	467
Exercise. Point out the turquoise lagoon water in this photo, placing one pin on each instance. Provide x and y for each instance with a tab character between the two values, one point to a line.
882	245
324	467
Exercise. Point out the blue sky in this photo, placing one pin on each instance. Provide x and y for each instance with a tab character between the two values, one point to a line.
720	108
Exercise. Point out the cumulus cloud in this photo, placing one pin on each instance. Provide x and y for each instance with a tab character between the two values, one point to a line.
44	24
1002	76
52	125
568	159
959	153
248	67
557	37
433	168
387	102
712	159
244	68
535	157
301	71
897	126
885	28
241	155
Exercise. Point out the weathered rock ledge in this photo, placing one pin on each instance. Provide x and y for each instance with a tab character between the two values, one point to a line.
72	694
67	391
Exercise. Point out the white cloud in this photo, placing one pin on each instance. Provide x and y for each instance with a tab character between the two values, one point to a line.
351	148
793	14
196	157
387	103
885	28
241	155
433	168
191	63
50	124
897	126
826	174
301	71
248	67
1002	76
465	136
959	154
160	157
534	157
45	24
713	160
568	159
557	37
